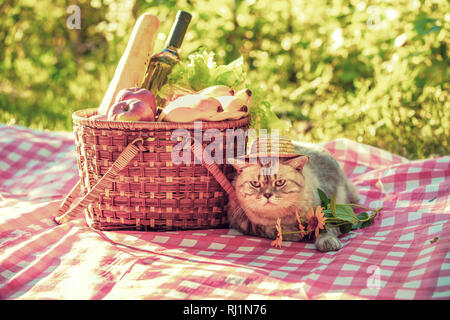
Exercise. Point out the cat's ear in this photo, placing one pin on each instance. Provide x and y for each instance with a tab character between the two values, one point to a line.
239	165
297	162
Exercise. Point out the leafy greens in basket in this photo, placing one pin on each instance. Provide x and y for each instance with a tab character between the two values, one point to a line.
201	71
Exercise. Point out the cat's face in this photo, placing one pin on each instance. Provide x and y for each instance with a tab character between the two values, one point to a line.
270	195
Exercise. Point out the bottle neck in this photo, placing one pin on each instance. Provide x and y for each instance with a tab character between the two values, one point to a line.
178	31
170	55
171	50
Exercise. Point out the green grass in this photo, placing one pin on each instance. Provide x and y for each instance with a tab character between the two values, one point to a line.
375	72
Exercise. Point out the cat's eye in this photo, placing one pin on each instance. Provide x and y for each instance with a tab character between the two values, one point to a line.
280	183
255	184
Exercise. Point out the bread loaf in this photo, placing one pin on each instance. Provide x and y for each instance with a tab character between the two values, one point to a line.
132	65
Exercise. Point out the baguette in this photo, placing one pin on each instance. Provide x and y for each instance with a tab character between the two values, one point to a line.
132	65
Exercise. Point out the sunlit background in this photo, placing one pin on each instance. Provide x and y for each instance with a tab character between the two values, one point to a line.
371	71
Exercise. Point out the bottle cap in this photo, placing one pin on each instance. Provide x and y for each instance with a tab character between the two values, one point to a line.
183	15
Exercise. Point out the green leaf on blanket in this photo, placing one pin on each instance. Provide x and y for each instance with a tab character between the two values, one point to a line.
365	220
345	228
346	213
323	198
334	215
333	205
328	213
367	223
362	216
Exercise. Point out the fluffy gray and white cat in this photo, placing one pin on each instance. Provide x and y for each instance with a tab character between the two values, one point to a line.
293	186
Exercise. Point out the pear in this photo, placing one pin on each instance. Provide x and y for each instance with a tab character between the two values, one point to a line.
190	108
233	108
233	104
217	91
246	95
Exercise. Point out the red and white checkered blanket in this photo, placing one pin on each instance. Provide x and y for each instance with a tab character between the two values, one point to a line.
404	254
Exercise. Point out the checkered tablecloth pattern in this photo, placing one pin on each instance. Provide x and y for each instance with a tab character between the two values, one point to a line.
405	254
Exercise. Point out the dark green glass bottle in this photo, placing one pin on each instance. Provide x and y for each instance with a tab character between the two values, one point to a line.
162	62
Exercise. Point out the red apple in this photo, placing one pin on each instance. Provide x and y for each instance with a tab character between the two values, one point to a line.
131	110
137	93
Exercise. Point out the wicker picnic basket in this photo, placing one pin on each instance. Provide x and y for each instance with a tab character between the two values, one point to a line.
128	180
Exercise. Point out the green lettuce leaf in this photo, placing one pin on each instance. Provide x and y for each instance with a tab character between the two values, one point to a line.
201	71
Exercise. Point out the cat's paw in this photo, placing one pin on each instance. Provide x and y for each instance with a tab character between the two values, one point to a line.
327	243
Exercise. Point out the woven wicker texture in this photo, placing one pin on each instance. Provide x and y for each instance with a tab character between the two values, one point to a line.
148	191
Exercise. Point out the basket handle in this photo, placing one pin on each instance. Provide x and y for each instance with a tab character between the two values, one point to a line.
212	167
66	213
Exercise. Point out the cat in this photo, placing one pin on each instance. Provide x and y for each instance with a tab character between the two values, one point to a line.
293	186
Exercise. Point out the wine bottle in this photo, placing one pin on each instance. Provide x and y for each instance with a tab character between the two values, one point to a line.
162	62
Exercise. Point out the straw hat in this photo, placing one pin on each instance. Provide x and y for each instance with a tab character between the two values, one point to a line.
272	146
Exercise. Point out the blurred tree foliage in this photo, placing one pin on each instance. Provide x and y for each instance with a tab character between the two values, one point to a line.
371	71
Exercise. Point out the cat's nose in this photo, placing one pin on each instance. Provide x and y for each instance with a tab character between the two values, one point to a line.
267	195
